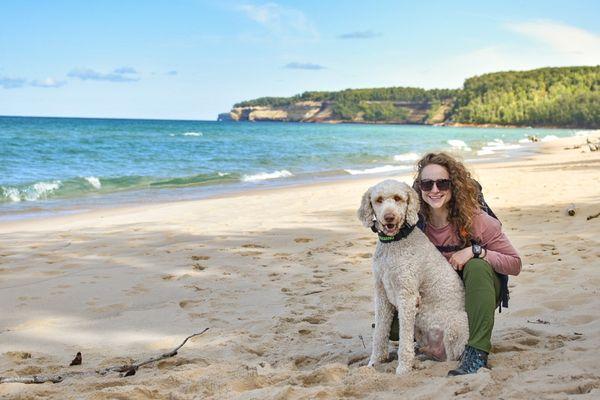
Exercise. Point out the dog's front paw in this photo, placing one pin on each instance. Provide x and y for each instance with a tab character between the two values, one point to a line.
402	369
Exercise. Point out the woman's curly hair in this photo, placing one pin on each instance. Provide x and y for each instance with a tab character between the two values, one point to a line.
464	203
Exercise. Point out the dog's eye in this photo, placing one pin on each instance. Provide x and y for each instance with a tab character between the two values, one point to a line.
379	200
397	198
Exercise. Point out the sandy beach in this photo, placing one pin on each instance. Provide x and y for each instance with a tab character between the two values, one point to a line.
282	277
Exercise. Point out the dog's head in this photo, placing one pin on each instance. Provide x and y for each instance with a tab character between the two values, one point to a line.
390	203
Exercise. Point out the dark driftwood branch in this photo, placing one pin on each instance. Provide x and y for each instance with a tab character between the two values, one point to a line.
593	216
131	369
125	370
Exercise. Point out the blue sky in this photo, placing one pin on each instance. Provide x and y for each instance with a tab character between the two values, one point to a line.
192	59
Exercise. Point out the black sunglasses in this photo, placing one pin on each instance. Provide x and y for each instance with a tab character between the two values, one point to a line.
442	184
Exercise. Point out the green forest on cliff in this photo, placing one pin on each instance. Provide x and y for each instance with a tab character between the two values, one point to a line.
568	96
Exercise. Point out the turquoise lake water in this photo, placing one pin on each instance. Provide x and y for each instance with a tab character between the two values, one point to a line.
58	163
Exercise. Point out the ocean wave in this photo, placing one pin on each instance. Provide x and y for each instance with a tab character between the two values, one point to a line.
267	175
192	134
458	144
406	157
95	182
378	170
548	138
497	145
37	191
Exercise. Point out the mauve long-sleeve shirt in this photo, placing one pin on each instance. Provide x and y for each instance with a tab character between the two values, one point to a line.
487	230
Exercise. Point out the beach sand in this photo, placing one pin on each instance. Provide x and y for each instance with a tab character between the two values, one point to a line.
282	278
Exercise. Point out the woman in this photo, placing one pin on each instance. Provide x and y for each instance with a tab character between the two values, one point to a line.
473	243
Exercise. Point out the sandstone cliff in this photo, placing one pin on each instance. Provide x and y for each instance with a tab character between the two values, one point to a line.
323	111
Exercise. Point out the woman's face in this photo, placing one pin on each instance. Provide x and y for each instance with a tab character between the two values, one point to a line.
435	198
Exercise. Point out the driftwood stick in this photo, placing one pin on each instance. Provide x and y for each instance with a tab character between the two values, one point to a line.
131	369
126	370
593	216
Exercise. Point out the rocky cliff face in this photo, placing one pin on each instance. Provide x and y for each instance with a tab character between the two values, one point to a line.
316	111
305	111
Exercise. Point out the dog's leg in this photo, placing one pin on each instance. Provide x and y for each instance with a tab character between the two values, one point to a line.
384	313
457	335
406	317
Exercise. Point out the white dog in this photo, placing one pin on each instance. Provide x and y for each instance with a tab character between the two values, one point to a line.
412	276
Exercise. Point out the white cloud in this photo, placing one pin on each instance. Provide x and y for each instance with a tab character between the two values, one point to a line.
309	66
48	83
11	83
280	19
359	35
122	74
576	44
544	44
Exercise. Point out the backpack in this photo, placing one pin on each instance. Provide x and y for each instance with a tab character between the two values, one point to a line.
504	293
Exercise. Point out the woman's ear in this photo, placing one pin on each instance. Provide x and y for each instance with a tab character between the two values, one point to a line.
365	212
412	209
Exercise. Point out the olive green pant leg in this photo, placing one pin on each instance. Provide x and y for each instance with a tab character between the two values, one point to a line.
482	293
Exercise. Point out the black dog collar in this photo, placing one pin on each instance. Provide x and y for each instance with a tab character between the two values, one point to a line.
404	232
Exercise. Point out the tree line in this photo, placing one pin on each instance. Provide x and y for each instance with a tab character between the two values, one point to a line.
567	96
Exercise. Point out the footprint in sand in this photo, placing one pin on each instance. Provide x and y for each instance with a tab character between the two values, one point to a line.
250	253
254	246
200	258
188	303
303	240
198	267
315	319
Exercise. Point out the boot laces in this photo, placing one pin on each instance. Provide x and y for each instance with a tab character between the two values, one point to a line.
472	360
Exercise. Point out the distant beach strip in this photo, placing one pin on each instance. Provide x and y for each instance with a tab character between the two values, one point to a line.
60	162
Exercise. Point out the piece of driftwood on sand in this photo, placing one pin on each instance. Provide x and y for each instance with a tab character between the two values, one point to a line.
124	370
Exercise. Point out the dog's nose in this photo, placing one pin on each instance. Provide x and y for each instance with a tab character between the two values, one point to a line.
389	218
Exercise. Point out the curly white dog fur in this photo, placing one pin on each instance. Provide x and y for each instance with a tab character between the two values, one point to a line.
412	276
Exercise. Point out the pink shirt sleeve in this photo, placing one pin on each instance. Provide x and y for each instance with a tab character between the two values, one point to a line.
501	254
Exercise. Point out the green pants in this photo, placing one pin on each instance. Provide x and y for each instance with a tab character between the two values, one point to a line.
482	294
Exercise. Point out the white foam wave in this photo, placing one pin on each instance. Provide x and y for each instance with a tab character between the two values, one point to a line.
267	175
192	134
458	144
95	182
378	170
406	157
39	190
222	173
524	140
497	145
11	193
549	138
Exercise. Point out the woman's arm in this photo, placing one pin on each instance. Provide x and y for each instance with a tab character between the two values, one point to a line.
499	252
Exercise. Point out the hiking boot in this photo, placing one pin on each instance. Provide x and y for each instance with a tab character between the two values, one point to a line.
471	361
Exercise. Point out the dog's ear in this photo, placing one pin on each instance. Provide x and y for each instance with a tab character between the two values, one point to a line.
412	209
365	212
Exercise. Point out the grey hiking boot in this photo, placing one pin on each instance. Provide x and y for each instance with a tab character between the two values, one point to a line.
471	361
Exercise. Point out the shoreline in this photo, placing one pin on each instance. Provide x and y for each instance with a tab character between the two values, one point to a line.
33	210
84	204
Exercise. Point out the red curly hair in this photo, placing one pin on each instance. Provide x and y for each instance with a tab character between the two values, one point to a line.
464	203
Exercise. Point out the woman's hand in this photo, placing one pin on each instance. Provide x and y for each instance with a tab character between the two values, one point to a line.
460	258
